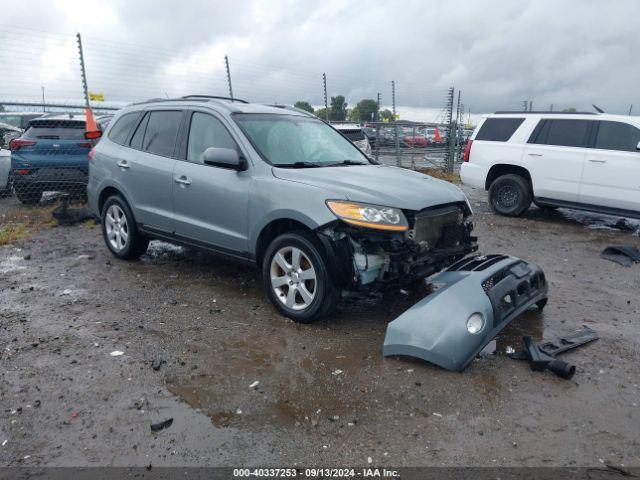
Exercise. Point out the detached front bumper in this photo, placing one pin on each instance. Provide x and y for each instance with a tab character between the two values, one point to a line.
498	287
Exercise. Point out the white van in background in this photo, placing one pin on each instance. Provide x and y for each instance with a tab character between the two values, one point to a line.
585	161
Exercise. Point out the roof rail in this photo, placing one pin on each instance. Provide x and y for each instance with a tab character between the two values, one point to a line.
215	97
546	112
293	109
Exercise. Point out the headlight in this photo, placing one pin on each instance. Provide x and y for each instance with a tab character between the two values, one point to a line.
475	323
371	216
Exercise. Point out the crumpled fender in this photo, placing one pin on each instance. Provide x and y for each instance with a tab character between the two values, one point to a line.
499	287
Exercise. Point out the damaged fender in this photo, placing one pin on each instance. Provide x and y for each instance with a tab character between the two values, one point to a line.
444	327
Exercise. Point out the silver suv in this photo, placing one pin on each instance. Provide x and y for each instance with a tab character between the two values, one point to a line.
274	187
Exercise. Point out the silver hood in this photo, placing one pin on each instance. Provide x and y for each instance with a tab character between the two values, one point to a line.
377	184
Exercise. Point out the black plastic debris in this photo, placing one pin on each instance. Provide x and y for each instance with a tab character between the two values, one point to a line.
625	255
70	216
156	427
157	363
542	356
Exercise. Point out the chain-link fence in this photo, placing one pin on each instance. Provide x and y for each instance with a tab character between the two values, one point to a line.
416	145
43	151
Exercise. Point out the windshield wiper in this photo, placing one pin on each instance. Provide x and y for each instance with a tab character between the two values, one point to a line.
298	165
345	162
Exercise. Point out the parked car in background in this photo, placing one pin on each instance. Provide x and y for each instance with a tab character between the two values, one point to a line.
575	160
7	132
277	188
5	168
355	134
19	119
433	136
370	133
51	155
412	137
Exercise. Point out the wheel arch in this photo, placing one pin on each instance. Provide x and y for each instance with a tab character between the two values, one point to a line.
501	169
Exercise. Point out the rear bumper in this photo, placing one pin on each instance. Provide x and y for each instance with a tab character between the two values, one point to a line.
498	287
473	175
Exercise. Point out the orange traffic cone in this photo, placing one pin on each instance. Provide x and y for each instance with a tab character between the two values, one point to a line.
437	136
92	130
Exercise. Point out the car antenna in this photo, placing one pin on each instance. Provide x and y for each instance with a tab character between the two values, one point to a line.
598	109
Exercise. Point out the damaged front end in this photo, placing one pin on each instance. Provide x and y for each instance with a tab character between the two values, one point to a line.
473	301
374	259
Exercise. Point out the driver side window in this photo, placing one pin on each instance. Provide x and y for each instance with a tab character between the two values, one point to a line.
206	131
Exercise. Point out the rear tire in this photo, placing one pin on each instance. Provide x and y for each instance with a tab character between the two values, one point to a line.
120	231
510	195
297	279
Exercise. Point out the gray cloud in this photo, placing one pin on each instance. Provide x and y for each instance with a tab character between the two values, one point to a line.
570	53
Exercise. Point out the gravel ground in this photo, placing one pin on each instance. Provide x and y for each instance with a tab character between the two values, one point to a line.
325	396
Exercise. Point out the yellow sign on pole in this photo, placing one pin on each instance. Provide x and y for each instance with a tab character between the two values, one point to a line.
96	96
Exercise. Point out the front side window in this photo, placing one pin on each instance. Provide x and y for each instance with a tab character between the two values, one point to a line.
206	131
295	141
617	136
498	129
162	130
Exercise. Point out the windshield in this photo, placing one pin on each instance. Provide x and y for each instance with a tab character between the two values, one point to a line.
294	141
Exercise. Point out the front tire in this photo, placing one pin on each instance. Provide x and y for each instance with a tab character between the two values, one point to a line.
120	231
510	195
297	279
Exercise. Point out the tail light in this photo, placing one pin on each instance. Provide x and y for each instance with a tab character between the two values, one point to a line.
467	151
23	171
16	143
92	152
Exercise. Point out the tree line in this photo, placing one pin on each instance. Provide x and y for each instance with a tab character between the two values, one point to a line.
366	110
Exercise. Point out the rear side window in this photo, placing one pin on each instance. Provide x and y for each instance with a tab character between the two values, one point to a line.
120	131
161	132
205	132
498	129
617	136
564	133
56	130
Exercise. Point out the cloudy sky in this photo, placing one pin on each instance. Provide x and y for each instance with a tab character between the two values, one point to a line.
498	53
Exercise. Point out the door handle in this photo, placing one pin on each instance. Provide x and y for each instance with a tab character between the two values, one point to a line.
593	160
534	154
183	180
123	164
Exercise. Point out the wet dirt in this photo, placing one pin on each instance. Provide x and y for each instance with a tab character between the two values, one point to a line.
325	396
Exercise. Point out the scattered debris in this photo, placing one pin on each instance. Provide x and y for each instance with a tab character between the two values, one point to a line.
5	442
156	427
625	255
70	216
116	353
254	384
542	356
489	349
336	372
239	412
67	291
509	350
439	415
157	363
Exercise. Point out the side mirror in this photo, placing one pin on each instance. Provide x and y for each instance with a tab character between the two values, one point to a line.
224	157
638	146
93	135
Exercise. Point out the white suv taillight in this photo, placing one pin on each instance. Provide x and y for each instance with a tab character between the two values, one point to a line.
467	151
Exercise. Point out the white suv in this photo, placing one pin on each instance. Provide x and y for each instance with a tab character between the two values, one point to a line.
575	160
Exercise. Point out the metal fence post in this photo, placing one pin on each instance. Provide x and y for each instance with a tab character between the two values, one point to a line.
226	62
